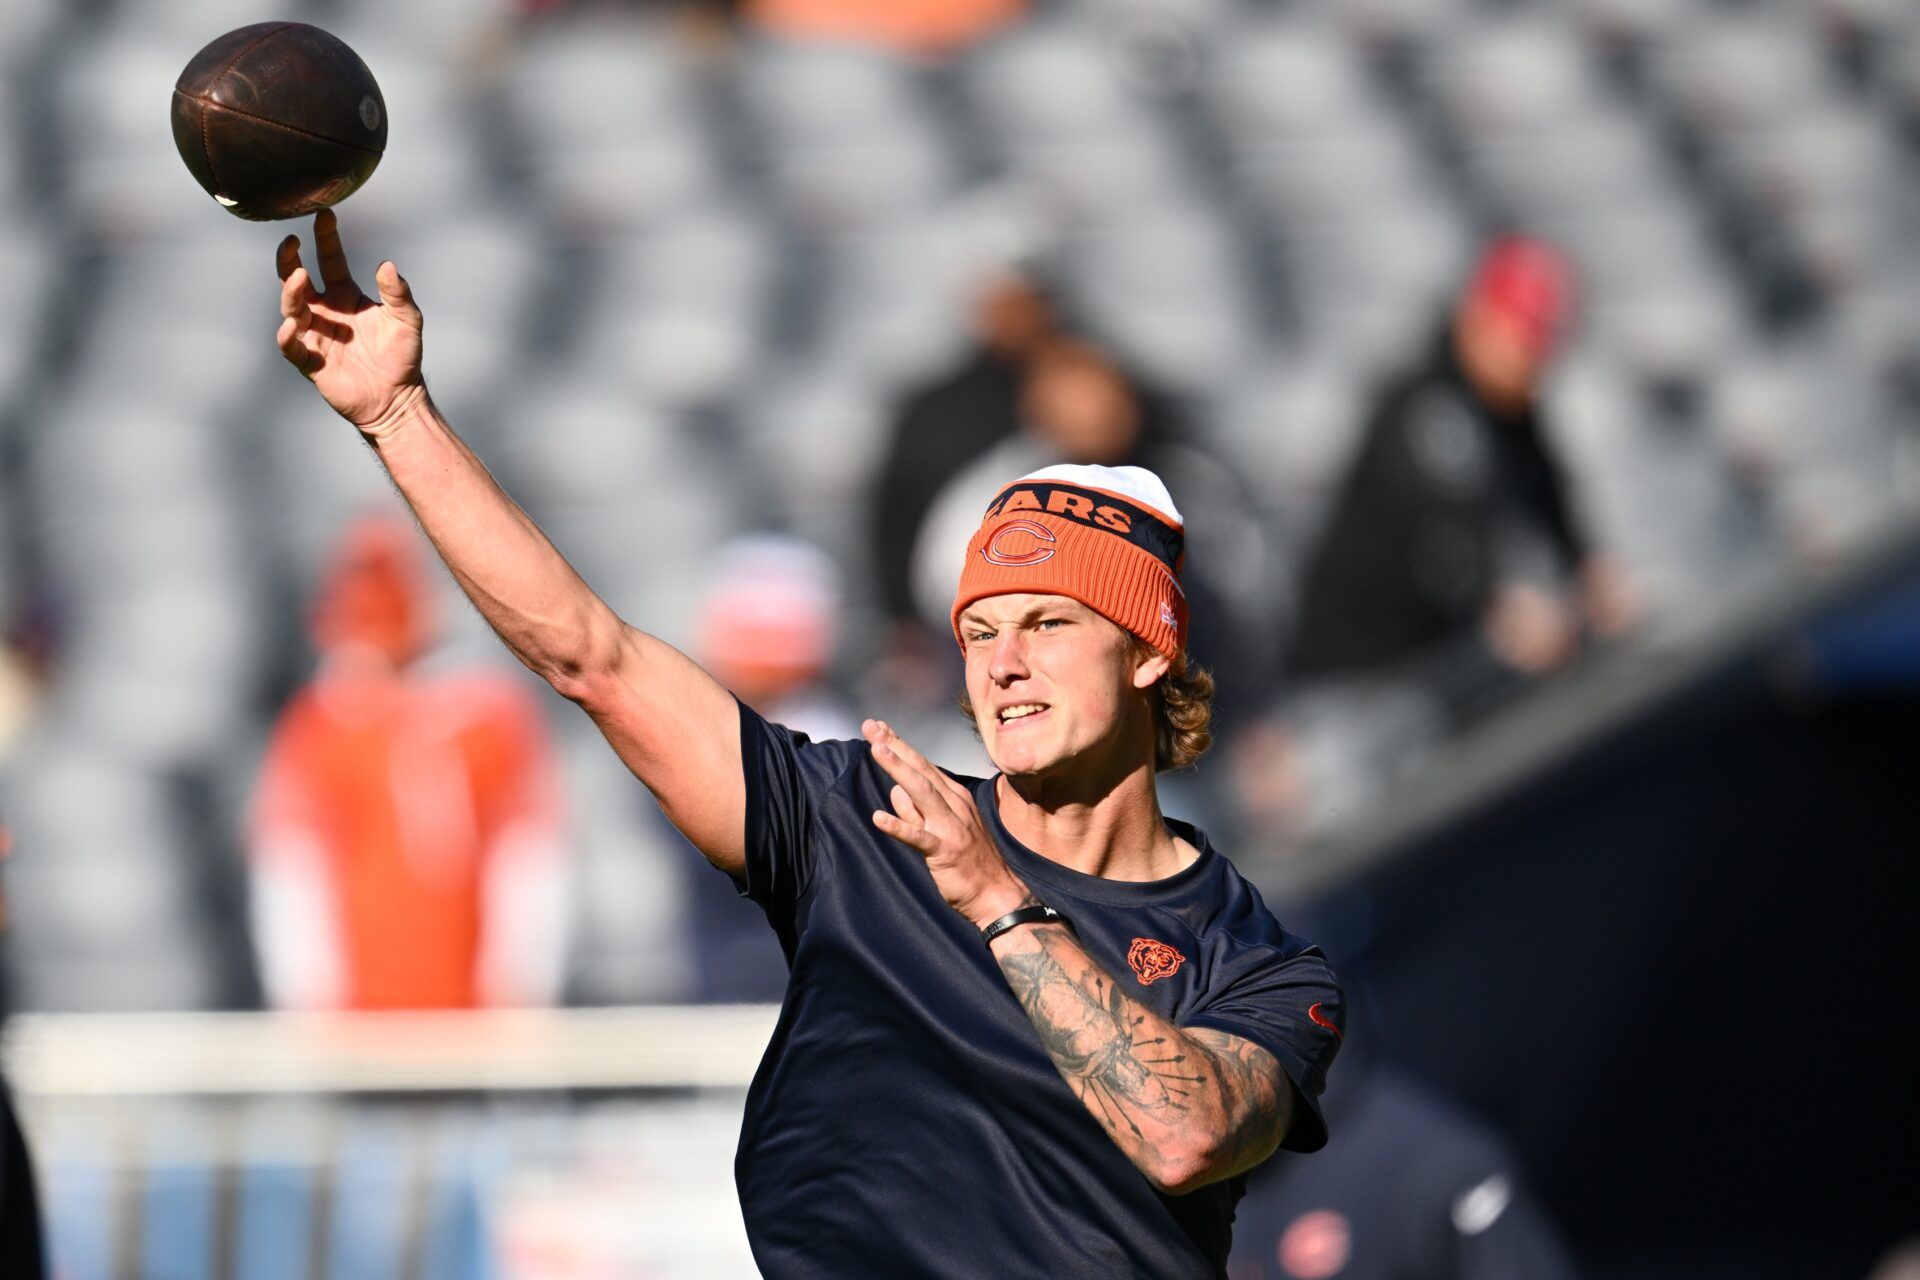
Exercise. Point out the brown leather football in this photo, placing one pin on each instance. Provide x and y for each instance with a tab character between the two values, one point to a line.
278	119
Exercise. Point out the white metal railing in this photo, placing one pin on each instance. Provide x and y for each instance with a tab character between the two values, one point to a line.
71	1055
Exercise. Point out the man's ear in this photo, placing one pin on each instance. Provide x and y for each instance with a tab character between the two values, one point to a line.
1149	665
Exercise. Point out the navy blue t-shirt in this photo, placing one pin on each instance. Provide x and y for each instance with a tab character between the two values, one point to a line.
905	1121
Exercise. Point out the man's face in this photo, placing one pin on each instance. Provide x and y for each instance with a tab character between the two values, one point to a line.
1083	409
1052	682
1505	357
1012	315
375	596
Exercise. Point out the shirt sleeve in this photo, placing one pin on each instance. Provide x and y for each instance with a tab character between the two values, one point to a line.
1555	498
787	775
1288	1003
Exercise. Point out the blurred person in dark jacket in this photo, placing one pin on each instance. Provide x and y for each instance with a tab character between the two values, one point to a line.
21	1251
950	422
1453	552
1078	405
1902	1262
1412	1190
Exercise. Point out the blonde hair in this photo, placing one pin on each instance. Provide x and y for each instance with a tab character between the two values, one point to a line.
1182	711
1182	714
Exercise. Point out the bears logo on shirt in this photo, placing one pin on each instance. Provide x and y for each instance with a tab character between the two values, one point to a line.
1153	960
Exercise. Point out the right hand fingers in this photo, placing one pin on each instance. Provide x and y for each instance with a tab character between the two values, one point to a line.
333	256
296	309
293	345
910	782
296	302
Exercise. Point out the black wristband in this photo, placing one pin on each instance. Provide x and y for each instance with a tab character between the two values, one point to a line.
1036	914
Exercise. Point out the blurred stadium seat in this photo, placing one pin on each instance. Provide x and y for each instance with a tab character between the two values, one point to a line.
609	124
676	277
29	263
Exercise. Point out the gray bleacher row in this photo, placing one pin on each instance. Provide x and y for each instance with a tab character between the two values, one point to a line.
673	283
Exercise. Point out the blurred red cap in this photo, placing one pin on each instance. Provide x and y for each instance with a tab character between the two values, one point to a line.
1527	281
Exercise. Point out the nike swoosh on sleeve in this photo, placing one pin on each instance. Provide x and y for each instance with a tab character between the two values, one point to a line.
1321	1019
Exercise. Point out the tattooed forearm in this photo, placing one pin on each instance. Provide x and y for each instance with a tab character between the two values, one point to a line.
1188	1107
1251	1084
1102	1048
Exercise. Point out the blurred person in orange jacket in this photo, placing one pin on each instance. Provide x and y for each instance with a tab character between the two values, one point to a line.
406	836
926	27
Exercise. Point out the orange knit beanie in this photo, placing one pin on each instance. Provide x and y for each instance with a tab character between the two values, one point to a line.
1109	537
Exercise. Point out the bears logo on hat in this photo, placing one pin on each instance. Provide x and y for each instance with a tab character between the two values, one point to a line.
1109	537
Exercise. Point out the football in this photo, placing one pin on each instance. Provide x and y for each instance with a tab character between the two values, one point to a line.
278	120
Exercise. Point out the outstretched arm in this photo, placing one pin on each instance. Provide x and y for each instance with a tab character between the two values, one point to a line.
672	724
1188	1106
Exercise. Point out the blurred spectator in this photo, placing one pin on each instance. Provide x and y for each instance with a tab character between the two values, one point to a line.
940	429
767	631
27	641
911	26
21	1253
406	848
1412	1190
952	421
1902	1262
16	698
1078	406
1453	551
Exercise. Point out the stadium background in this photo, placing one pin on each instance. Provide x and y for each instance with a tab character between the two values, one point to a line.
679	265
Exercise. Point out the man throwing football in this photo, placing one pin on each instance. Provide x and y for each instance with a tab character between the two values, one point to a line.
1033	1027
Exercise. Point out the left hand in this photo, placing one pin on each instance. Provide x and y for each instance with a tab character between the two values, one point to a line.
1528	629
936	816
1609	597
